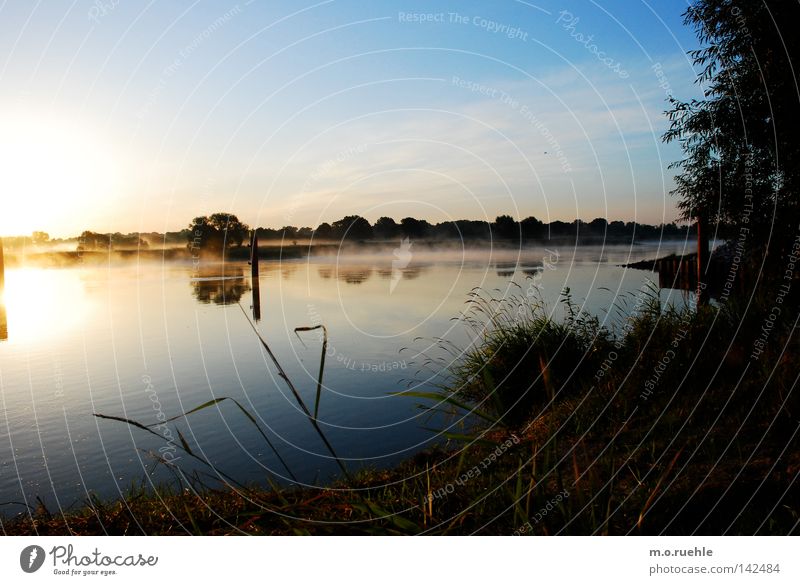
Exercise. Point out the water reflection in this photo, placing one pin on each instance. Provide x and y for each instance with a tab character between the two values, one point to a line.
359	274
354	274
220	285
256	299
412	272
3	316
532	270
3	320
348	274
505	269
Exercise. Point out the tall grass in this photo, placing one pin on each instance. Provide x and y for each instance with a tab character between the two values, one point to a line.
645	420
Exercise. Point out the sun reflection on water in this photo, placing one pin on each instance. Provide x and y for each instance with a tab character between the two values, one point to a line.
38	304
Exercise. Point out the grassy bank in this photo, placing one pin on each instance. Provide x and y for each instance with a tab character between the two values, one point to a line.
660	420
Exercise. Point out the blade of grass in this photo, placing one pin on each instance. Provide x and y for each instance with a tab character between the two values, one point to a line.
249	416
282	373
321	361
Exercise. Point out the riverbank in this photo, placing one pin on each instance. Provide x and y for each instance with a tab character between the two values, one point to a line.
670	422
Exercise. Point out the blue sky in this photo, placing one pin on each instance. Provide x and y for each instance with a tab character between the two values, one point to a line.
298	113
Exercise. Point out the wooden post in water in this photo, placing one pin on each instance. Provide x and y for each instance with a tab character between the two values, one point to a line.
254	277
702	259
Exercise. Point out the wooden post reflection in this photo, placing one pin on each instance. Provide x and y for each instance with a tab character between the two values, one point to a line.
3	322
256	300
254	278
2	269
3	316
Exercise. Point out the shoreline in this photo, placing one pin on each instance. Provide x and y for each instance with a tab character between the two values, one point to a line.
275	251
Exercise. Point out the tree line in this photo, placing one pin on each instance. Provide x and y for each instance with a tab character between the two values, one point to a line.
225	229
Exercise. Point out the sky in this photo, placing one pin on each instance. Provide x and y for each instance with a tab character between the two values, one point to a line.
138	116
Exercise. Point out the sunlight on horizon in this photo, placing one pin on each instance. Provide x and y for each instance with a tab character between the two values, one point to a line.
54	174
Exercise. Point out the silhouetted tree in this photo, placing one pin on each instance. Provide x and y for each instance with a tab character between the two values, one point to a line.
414	228
352	227
40	237
289	232
506	228
216	232
598	225
532	228
323	232
234	232
561	229
386	228
91	241
617	228
119	240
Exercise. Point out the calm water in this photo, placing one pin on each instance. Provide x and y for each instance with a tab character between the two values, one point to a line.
113	340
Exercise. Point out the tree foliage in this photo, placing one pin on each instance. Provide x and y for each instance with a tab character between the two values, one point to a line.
741	155
352	227
217	232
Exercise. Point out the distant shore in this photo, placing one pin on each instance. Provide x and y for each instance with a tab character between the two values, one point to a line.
277	250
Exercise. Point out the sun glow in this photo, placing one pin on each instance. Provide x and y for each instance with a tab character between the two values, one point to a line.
55	175
41	304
